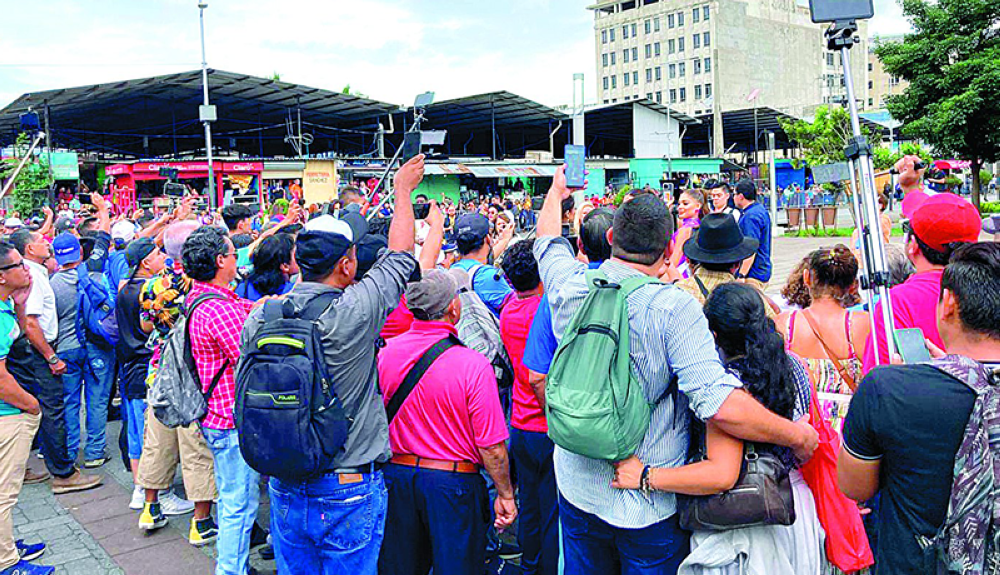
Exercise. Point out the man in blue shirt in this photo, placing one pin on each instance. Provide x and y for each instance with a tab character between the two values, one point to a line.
755	223
476	250
541	345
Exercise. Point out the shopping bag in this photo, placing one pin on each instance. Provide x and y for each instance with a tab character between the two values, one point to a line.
846	542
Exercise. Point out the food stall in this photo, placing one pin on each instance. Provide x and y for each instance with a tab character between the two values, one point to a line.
139	184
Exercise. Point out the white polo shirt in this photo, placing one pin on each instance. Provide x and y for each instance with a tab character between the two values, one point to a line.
42	301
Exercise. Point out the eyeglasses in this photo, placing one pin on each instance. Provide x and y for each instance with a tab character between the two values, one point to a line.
19	264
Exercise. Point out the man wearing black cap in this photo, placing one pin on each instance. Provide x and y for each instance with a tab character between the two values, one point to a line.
715	251
307	533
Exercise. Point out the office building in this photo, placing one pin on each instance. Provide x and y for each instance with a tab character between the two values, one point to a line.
881	84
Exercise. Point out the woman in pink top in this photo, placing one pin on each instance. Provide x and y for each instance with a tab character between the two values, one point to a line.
530	445
690	209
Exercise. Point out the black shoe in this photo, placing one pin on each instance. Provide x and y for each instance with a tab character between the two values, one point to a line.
266	552
258	536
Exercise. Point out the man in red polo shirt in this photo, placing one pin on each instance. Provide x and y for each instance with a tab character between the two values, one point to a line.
448	425
939	225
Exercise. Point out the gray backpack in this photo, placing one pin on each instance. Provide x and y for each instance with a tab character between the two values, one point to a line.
479	330
175	395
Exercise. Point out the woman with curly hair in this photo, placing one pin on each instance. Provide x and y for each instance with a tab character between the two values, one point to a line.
825	333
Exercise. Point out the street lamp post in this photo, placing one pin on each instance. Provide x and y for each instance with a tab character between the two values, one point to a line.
206	112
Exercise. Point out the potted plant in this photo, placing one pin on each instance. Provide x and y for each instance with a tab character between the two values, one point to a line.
829	206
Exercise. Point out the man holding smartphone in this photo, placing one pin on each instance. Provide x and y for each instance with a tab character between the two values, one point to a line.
939	225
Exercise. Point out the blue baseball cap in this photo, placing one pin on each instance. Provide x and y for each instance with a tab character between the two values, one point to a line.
66	248
474	227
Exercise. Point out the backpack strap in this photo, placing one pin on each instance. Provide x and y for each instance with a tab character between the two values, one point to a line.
319	304
701	284
416	373
215	381
188	354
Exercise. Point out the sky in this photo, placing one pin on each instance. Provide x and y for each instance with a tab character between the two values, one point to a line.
389	50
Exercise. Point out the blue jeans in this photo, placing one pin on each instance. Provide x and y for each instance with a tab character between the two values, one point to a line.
239	497
537	531
90	370
591	545
436	519
325	527
134	411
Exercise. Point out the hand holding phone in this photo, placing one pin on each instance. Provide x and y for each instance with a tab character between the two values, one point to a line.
575	171
911	346
420	211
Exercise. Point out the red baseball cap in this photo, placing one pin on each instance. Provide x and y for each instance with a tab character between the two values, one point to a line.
946	218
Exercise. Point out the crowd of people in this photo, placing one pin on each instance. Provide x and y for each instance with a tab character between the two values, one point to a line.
442	394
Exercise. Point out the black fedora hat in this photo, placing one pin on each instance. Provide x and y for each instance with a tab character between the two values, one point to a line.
718	240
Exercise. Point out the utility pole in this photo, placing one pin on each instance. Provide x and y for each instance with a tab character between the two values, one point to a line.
48	155
206	112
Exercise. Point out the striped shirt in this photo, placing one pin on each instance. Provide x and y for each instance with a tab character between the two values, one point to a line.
668	333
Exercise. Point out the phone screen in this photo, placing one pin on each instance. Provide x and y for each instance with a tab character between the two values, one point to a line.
574	156
420	211
84	198
411	145
911	346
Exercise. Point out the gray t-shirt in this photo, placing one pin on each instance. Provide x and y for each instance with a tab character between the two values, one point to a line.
350	328
63	284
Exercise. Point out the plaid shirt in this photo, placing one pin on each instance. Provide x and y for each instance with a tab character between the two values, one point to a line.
215	337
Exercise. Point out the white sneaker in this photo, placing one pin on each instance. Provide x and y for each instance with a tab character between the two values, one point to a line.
138	498
173	505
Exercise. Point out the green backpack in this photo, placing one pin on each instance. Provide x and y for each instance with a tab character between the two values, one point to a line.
594	402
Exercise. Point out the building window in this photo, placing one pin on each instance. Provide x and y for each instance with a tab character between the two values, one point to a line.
870	66
659	97
696	15
680	44
673	96
604	36
627	98
697	92
680	69
696	41
648	25
614	82
659	74
611	34
625	32
683	94
871	102
649	96
635	54
671	46
656	49
871	84
829	59
614	100
680	19
627	78
708	90
705	14
635	77
649	51
708	65
656	24
605	82
706	39
604	60
606	101
633	31
625	56
673	71
649	75
613	56
697	66
670	21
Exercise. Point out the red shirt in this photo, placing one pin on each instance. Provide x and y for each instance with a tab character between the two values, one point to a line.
914	304
215	337
454	410
398	322
515	323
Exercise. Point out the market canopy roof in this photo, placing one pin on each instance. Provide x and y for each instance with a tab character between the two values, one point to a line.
158	116
738	131
609	128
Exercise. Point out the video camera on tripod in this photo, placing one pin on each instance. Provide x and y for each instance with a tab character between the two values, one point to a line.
840	36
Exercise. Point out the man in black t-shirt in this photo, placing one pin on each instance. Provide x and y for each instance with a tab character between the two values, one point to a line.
906	422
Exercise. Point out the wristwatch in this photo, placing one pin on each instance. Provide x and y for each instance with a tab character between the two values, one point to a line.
54	359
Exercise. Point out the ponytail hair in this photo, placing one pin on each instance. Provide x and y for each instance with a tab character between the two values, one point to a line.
748	337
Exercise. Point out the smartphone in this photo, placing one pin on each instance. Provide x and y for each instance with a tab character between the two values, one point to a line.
411	145
537	203
574	156
911	346
84	198
420	211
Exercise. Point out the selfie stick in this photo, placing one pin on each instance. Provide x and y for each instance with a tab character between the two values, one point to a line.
875	269
418	117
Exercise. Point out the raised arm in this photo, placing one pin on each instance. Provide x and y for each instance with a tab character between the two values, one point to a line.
401	230
435	237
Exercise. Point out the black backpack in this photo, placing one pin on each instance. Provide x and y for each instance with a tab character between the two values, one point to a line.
290	421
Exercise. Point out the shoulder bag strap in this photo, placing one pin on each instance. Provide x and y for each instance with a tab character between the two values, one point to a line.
416	373
837	361
701	285
188	354
215	380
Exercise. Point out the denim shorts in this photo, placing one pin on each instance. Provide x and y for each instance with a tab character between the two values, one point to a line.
136	425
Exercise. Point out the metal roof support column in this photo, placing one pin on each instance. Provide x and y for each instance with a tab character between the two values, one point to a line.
493	124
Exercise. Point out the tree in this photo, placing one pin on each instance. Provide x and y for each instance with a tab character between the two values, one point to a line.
952	62
883	158
34	176
823	140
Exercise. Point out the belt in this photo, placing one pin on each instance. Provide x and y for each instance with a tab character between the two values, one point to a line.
435	464
366	468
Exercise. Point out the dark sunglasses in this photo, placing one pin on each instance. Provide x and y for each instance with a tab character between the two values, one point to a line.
19	264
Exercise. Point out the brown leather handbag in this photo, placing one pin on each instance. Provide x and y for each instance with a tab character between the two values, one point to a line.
762	496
